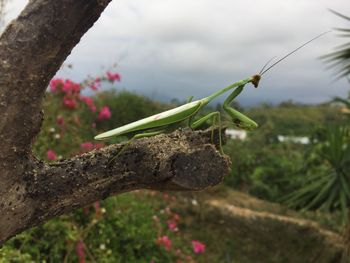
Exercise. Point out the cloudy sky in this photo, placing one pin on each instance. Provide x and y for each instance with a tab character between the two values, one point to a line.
176	48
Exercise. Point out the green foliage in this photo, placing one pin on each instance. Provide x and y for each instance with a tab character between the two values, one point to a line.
346	109
295	119
306	177
327	177
122	232
263	167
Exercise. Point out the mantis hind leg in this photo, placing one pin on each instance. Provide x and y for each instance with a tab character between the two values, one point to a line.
136	136
239	119
215	116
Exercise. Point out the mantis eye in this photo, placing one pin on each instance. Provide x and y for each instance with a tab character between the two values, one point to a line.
255	80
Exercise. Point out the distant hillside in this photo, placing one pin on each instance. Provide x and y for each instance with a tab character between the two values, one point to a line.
296	119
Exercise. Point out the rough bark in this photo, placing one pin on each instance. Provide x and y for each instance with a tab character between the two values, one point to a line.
32	48
177	161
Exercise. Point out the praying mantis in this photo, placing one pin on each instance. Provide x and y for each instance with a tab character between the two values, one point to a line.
169	120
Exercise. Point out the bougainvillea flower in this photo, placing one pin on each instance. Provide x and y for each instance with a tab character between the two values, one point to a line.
87	146
93	86
80	251
60	120
69	103
98	145
56	84
104	114
51	155
113	76
67	86
89	102
172	225
97	206
165	241
198	247
70	86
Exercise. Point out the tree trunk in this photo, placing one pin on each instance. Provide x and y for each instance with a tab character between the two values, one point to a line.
32	48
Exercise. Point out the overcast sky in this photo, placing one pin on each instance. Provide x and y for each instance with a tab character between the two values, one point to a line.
176	48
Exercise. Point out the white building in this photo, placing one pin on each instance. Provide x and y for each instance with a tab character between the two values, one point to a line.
236	134
294	139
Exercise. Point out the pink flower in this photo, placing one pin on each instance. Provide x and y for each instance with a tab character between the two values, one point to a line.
94	86
165	241
113	76
104	114
172	225
90	102
51	155
60	120
80	251
70	86
76	87
198	247
55	84
99	145
66	86
69	103
97	206
87	146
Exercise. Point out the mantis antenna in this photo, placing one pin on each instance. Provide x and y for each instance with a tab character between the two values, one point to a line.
266	65
290	53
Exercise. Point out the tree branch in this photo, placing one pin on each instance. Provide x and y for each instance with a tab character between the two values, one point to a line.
32	48
177	161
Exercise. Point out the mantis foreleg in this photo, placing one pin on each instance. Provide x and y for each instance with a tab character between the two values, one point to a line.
239	119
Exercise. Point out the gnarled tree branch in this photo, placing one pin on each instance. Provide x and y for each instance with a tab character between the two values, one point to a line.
178	161
32	48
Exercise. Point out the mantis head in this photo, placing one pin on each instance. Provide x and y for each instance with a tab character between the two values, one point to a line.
255	80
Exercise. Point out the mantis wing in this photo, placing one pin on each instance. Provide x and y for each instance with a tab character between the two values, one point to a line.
161	119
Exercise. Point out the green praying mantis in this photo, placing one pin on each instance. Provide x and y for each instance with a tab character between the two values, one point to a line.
169	120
